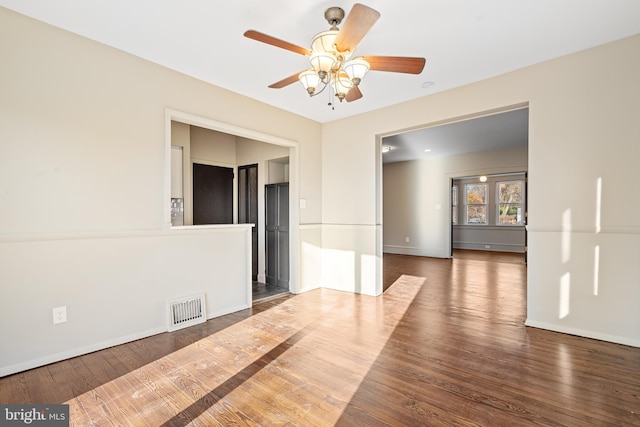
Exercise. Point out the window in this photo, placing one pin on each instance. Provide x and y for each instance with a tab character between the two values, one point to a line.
477	203
454	205
499	201
510	202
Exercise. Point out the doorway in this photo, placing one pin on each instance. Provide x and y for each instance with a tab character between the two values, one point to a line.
248	209
276	242
415	169
244	137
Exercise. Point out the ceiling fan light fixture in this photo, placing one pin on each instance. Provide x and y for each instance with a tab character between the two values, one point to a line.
342	84
324	41
330	55
356	69
310	80
323	61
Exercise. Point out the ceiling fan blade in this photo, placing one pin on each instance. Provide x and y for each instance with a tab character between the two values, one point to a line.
264	38
396	64
357	24
354	94
286	81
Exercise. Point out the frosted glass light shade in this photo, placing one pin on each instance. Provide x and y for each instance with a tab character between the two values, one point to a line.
342	84
310	80
356	69
323	61
324	41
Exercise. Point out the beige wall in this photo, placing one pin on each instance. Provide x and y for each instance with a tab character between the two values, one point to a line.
73	107
213	147
181	137
583	130
85	171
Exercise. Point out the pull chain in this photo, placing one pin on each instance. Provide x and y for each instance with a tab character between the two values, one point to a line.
331	97
331	103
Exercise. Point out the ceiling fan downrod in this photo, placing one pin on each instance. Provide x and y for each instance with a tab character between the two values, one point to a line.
334	16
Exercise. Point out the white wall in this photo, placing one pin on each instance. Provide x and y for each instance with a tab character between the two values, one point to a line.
85	189
580	133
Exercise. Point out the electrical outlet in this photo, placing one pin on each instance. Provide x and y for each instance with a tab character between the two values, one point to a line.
406	239
487	246
59	315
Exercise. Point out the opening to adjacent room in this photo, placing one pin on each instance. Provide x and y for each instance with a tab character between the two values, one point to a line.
225	175
429	177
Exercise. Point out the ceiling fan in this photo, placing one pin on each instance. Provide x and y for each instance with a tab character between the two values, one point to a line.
331	51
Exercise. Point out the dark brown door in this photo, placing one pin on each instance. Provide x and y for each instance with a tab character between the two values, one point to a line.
248	208
212	194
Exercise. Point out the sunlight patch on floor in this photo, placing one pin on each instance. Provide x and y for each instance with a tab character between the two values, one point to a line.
278	356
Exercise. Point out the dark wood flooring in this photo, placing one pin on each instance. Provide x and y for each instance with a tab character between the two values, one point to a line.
262	291
444	345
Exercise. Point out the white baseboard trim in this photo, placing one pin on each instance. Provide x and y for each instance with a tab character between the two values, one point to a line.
227	311
496	247
34	363
307	289
408	250
583	333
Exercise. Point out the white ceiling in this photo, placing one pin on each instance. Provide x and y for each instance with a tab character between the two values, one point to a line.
463	40
494	132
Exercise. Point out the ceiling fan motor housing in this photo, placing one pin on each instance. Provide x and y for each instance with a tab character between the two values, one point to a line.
334	15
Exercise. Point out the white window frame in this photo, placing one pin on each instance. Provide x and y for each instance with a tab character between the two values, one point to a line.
455	213
520	223
485	204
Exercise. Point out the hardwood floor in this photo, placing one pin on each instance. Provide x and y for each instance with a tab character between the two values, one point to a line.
444	345
263	291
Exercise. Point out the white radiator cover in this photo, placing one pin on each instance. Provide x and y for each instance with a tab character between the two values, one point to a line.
187	311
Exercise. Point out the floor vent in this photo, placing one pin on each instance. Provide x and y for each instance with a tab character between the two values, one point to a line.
188	311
